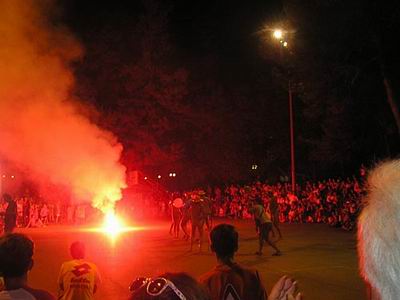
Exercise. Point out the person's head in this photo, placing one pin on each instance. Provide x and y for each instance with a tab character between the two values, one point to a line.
167	286
7	198
77	250
16	251
378	232
258	200
224	240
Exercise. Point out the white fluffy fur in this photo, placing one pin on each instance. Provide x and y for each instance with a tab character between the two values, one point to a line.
379	231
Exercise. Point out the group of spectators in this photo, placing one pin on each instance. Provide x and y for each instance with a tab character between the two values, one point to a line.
378	244
335	202
35	212
80	279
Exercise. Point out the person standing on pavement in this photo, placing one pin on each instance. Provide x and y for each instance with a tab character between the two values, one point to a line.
198	218
264	226
10	217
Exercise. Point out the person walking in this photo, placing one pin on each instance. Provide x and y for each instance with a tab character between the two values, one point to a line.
263	226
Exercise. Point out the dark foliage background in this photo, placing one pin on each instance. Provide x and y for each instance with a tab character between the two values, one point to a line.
199	88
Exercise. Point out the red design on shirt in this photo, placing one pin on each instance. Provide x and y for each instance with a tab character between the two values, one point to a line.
80	270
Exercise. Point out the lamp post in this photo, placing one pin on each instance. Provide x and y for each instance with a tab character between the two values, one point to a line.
278	34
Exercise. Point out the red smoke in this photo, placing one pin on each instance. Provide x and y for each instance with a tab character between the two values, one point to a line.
42	127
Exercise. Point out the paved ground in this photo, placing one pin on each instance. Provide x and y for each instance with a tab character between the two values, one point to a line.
321	258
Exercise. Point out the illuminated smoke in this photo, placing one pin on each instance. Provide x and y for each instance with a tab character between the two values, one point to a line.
42	127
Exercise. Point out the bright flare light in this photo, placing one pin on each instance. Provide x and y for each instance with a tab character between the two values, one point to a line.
112	224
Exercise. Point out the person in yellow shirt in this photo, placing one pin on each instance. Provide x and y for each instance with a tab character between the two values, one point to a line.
78	278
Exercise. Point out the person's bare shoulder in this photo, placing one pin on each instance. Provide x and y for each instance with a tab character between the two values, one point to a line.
40	294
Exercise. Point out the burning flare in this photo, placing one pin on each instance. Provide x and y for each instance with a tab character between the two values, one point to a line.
112	224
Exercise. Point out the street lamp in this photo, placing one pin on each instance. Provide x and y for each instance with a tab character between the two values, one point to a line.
279	35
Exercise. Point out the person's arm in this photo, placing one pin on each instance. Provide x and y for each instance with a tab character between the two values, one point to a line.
60	282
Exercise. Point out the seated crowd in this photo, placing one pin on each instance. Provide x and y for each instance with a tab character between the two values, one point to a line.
335	202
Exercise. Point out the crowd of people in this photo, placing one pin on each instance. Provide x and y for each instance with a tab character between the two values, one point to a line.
377	244
335	202
35	212
79	279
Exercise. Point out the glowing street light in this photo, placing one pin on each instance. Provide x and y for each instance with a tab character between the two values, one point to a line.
145	178
278	34
159	176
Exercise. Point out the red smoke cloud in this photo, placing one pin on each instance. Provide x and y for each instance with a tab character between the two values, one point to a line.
42	127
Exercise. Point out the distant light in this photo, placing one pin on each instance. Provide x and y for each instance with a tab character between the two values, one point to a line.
12	176
170	174
284	44
145	178
4	176
174	174
159	176
278	34
254	167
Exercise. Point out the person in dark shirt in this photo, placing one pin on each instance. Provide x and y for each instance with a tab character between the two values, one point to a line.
197	216
10	217
16	251
230	280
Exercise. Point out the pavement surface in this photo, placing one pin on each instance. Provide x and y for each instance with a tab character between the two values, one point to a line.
322	259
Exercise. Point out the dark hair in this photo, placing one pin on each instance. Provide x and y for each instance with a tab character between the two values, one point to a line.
16	251
189	286
7	198
77	250
224	240
258	200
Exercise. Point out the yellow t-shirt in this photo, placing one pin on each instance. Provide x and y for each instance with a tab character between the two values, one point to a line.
77	280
